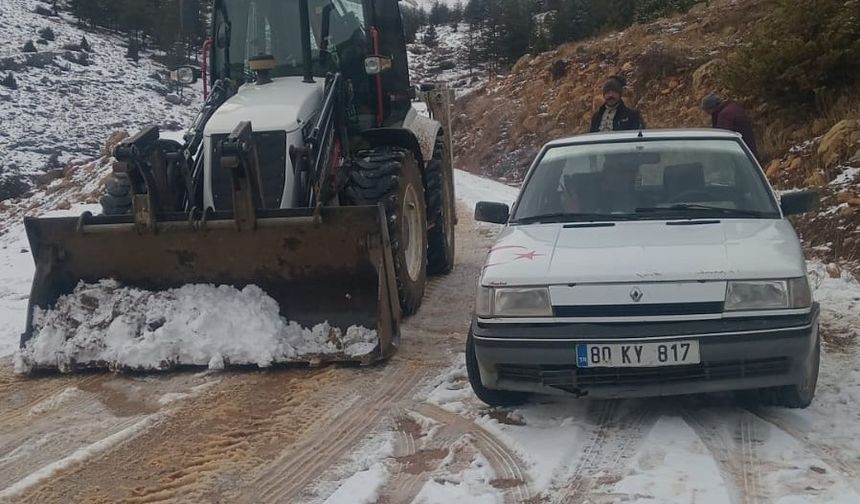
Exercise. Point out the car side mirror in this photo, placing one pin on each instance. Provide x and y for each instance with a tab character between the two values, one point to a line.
184	75
495	213
799	202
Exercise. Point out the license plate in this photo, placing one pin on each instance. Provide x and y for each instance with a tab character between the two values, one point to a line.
673	353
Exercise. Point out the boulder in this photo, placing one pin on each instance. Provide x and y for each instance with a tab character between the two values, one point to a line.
839	143
773	168
173	99
705	78
845	196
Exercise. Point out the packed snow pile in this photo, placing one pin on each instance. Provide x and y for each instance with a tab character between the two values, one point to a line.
109	325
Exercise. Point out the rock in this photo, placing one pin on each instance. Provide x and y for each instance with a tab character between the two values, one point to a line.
446	65
531	123
64	205
41	60
10	65
839	143
113	140
627	67
815	180
705	78
173	99
795	164
854	202
49	176
773	168
29	47
5	98
845	196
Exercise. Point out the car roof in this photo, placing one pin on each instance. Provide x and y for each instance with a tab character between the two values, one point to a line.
662	134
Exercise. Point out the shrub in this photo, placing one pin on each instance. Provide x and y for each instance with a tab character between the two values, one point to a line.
649	10
47	34
804	49
30	47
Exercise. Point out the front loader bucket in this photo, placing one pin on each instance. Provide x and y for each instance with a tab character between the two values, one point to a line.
335	267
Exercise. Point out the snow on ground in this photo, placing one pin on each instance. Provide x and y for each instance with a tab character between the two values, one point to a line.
192	325
69	101
447	61
688	449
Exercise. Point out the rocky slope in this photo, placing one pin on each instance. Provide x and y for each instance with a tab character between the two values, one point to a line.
65	97
670	64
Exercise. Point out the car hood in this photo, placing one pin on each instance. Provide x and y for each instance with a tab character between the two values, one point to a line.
644	251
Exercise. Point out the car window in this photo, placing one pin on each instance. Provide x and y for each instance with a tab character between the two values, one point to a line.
640	178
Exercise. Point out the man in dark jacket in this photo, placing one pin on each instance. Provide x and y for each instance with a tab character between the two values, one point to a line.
614	115
729	115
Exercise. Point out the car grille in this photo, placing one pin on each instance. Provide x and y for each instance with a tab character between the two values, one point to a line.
639	310
570	377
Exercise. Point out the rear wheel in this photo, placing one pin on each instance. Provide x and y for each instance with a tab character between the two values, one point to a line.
390	176
441	212
490	396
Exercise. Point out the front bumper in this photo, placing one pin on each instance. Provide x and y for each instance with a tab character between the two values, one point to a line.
735	354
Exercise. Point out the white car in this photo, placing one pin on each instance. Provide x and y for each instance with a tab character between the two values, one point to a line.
645	263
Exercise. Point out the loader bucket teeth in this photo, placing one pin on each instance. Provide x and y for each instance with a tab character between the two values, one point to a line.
338	270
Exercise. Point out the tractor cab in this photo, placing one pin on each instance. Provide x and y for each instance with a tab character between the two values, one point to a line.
308	39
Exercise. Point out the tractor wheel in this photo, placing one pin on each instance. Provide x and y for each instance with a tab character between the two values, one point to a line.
391	176
441	212
117	198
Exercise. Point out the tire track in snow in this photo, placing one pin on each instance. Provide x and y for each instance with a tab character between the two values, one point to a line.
735	449
615	439
506	464
286	478
831	455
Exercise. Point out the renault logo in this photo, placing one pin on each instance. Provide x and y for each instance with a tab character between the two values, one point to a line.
636	294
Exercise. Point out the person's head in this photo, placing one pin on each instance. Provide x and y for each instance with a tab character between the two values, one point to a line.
612	90
711	103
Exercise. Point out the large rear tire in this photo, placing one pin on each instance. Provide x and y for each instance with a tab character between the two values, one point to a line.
391	176
491	397
441	212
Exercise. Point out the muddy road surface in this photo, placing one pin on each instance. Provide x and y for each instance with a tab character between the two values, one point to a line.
411	431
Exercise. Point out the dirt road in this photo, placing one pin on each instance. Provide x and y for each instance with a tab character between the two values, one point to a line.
409	431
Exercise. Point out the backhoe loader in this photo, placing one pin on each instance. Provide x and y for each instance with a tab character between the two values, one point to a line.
307	173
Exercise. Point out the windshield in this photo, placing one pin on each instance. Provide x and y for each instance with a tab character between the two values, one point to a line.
273	27
645	180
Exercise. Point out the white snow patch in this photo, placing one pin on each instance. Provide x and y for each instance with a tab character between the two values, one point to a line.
471	189
362	487
673	465
471	484
55	401
122	327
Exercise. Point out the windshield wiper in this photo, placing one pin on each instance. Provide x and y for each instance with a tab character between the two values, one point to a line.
682	207
573	217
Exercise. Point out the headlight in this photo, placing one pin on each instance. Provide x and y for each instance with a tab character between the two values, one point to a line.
513	302
768	294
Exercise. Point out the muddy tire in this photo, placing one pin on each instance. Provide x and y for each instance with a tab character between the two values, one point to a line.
441	212
117	198
391	176
489	396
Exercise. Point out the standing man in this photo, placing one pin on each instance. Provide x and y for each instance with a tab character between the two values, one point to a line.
729	115
614	115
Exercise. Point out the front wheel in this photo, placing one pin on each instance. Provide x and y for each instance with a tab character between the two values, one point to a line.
490	396
390	176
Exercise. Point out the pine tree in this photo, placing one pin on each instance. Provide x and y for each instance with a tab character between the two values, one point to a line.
431	39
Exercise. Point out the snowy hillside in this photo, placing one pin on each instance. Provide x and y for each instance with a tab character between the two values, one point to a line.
447	60
427	4
68	100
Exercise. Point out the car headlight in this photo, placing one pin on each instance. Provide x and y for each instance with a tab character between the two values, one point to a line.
513	302
768	294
